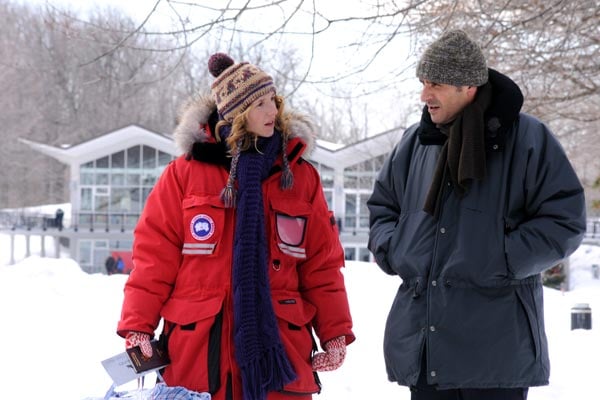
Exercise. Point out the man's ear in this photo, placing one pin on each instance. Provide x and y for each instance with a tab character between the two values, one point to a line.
471	92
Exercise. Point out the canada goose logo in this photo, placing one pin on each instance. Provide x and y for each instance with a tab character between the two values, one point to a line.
202	227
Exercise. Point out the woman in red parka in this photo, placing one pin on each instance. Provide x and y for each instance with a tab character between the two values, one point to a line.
237	252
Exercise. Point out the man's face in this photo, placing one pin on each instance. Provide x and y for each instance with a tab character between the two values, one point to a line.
445	102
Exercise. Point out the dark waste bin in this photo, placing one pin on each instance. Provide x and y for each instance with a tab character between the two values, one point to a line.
581	316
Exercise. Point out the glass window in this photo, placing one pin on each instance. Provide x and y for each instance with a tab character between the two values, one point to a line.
134	196
364	254
100	220
117	179
366	182
101	252
101	202
349	222
121	244
133	157
350	181
102	178
327	175
131	220
350	204
149	159
329	198
363	211
120	200
118	160
85	252
363	221
163	158
149	180
350	253
86	178
85	220
87	165
102	162
116	220
86	199
133	179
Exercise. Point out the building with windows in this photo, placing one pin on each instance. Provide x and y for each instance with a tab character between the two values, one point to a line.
112	175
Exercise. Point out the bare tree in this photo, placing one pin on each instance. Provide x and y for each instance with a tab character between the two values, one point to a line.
53	94
67	80
340	62
549	47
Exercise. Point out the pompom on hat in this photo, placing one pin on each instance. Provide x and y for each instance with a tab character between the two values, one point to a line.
453	59
236	85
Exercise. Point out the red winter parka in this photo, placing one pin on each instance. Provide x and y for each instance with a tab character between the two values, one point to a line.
183	251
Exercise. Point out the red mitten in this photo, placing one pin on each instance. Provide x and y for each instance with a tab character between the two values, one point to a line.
333	357
141	339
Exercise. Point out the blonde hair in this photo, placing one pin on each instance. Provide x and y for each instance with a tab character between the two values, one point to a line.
240	137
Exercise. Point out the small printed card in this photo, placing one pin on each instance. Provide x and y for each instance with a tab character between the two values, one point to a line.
131	364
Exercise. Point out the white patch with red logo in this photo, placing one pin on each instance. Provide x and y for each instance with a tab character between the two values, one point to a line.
202	227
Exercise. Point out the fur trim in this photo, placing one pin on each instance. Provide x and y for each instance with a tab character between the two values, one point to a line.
302	126
195	113
192	116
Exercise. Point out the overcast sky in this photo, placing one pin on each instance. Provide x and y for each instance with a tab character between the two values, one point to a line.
334	55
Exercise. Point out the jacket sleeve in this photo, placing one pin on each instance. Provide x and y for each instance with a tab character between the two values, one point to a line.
321	279
156	256
554	204
384	204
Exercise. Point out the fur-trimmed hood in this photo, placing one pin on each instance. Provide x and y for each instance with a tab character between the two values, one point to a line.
202	110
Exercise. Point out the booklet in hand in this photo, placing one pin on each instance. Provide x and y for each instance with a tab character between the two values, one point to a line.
142	363
131	364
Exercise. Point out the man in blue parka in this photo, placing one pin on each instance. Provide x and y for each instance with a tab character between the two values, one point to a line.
472	205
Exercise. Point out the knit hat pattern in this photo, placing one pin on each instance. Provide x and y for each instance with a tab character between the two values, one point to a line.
453	59
236	85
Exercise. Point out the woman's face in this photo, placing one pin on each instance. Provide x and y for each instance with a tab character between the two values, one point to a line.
261	116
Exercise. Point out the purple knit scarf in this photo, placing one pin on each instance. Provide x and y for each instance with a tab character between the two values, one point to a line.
259	352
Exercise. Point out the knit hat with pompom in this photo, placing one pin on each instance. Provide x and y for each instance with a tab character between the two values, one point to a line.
237	85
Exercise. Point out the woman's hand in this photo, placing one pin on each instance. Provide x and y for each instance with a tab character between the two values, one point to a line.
141	339
333	357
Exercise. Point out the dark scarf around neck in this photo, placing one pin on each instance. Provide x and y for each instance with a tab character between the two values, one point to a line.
463	154
259	351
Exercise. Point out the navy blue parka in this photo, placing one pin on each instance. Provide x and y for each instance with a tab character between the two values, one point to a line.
471	292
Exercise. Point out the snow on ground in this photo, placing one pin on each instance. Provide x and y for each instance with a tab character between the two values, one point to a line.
59	323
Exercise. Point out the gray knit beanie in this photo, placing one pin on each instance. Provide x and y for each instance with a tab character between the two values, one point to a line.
454	59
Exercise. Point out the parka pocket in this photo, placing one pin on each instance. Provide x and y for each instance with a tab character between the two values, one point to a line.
531	320
294	317
290	220
204	224
195	342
